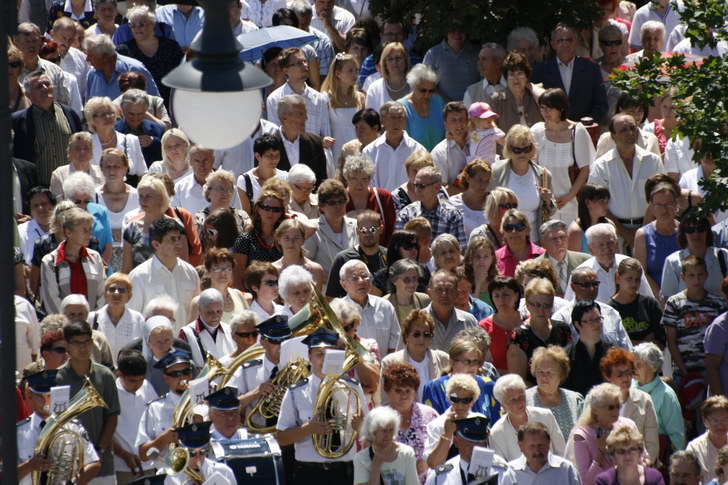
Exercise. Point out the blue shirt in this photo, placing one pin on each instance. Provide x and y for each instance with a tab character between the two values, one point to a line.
369	67
123	33
428	131
96	84
185	28
435	396
479	309
102	228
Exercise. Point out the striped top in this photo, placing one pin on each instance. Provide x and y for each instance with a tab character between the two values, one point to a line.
51	139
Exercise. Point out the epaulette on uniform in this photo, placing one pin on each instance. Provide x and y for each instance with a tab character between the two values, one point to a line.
157	399
350	379
252	363
298	384
444	468
22	421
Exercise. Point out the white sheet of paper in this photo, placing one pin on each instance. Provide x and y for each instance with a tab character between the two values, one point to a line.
334	362
60	395
481	461
293	349
199	388
217	479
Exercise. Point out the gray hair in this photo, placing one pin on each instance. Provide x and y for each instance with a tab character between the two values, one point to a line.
476	334
301	173
399	268
651	25
74	299
444	240
358	164
598	396
521	33
432	172
507	383
288	102
135	96
600	230
161	302
391	106
379	418
350	265
52	322
500	52
553	224
78	183
208	297
100	45
293	275
687	455
650	354
301	8
141	11
421	72
609	30
83	136
346	311
243	318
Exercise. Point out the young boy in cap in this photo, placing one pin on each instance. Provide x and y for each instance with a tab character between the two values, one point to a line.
39	390
196	438
471	432
297	424
225	415
155	432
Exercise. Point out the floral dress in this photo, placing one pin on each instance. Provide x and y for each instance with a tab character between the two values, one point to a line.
416	434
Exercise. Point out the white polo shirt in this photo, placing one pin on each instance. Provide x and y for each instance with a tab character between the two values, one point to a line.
389	162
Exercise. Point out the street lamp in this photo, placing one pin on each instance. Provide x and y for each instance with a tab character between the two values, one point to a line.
216	98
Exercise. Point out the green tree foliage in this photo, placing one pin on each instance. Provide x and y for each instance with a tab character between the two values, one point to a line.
702	99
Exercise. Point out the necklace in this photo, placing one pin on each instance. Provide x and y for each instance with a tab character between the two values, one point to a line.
111	140
263	244
402	88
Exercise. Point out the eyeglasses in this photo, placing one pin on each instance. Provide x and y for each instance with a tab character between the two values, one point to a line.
587	284
270	208
335	202
358	278
468	362
520	150
627	451
203	452
610	43
368	230
592	321
116	289
508	205
425	335
303	188
103	114
694	229
60	350
410	279
348	328
518	74
424	186
82	201
269	282
460	400
82	343
174	374
409	246
221	269
14	64
139	25
537	274
519	226
545	306
252	334
298	64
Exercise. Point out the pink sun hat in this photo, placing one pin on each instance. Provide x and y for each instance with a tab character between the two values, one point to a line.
482	110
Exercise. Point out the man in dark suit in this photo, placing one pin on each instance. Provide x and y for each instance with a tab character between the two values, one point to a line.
134	105
46	148
580	78
553	240
299	145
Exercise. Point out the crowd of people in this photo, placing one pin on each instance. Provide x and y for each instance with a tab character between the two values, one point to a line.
506	246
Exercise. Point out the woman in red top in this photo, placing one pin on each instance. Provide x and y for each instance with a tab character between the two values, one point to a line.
518	247
506	293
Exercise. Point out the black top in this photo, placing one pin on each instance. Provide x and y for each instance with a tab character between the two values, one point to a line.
168	56
46	245
251	244
641	317
584	371
528	341
374	263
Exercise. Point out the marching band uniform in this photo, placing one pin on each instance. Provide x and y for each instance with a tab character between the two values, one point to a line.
196	438
225	399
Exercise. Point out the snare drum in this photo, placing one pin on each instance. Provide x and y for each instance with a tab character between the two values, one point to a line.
254	460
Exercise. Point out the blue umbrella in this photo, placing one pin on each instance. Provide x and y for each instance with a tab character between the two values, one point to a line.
257	42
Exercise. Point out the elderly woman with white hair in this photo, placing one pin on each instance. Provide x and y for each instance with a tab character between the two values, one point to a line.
386	460
510	391
652	38
100	114
218	190
446	252
358	172
79	188
423	107
79	151
244	333
587	445
295	285
303	182
647	365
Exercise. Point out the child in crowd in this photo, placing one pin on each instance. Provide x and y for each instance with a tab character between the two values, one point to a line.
483	134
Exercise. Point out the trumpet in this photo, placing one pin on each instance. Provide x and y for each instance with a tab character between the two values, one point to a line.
178	461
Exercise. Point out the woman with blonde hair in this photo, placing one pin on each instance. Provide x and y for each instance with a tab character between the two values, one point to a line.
394	64
174	155
499	200
531	269
289	237
344	99
446	252
16	91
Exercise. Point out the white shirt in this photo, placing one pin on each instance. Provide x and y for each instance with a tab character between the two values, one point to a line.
29	232
627	191
490	89
297	409
280	174
566	71
132	408
556	471
128	144
450	159
707	455
504	438
157	417
389	162
612	329
154	279
679	155
252	374
317	108
207	469
189	195
449	473
264	315
343	21
379	322
75	64
27	332
128	327
292	148
607	286
261	13
671	18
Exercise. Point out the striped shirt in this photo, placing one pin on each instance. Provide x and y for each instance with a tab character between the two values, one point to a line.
444	219
457	70
52	131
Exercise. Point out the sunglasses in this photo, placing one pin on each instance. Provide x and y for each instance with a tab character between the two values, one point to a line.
252	334
508	205
694	229
179	373
423	186
14	64
369	230
514	227
410	279
270	208
520	150
460	400
537	274
426	335
409	246
610	43
60	350
269	283
587	284
203	452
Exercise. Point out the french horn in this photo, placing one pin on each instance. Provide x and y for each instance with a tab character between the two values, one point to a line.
178	462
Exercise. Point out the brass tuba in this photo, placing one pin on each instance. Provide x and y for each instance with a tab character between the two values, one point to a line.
64	447
178	461
269	407
183	410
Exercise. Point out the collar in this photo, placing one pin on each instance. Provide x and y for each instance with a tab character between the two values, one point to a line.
501	82
520	463
288	89
88	7
554	261
650	386
569	65
434	209
62	253
285	140
368	303
200	325
156	262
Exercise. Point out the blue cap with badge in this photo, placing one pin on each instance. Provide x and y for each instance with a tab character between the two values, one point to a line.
275	329
175	356
322	337
224	399
41	382
195	435
473	428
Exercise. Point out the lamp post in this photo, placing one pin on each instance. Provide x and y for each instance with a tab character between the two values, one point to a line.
216	98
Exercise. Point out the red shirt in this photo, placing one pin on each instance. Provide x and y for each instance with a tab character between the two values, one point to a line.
78	275
507	262
499	339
